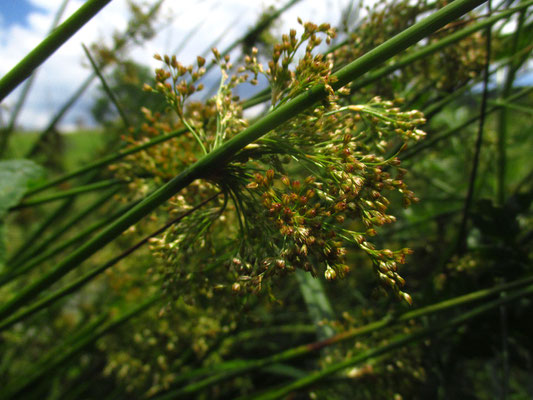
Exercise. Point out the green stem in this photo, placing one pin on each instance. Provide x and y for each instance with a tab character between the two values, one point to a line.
511	106
106	161
220	156
252	35
512	67
106	87
462	234
10	275
432	48
265	95
86	337
317	303
34	149
60	212
49	45
430	142
26	251
120	43
68	193
4	139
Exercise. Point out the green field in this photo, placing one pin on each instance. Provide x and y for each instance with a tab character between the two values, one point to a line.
77	147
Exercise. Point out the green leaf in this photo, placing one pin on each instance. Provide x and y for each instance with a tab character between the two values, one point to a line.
15	178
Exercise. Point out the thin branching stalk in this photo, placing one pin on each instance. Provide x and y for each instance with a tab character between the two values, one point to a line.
68	193
462	235
106	87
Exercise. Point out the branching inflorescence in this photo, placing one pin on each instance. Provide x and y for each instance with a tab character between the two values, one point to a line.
300	197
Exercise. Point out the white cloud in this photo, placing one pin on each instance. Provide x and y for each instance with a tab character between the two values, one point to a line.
63	72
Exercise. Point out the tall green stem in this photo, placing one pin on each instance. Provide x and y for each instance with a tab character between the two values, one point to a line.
86	337
462	235
49	45
512	67
432	48
106	161
106	87
83	234
29	249
5	134
121	42
431	141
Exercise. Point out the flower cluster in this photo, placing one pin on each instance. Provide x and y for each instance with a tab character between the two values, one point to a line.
300	197
287	81
145	360
314	219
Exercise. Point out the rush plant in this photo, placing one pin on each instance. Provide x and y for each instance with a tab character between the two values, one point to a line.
282	249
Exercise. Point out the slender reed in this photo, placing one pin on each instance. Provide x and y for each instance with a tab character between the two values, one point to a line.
6	133
461	244
68	193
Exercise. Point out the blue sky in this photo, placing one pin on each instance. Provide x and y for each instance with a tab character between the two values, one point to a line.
15	12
